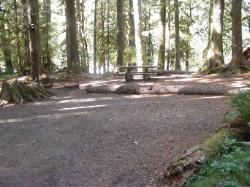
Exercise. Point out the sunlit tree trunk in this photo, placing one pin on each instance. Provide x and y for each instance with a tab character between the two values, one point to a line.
34	40
95	36
72	43
137	23
188	47
120	33
80	11
131	41
108	36
177	36
169	34
237	51
215	56
162	48
102	39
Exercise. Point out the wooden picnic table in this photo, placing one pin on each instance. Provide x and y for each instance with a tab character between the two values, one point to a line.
130	71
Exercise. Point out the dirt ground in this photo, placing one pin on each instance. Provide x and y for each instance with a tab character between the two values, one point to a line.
78	139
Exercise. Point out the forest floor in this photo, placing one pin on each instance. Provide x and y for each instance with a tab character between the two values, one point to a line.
79	139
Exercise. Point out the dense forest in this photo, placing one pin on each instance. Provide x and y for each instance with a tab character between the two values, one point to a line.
95	36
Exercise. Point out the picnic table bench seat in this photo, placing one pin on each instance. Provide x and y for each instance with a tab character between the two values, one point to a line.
129	71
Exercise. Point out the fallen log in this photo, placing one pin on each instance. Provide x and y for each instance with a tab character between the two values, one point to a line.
174	72
18	91
158	88
184	167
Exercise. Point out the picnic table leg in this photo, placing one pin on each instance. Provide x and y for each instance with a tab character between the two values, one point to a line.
128	75
146	76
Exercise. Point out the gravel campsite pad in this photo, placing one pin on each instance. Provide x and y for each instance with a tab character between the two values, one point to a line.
78	139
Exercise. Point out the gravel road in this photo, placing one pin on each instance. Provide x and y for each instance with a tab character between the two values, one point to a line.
77	139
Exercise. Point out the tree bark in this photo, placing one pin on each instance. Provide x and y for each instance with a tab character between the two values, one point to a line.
34	38
80	16
102	42
18	59
169	35
177	36
237	51
26	37
120	33
108	36
131	34
48	64
215	56
162	48
95	35
72	43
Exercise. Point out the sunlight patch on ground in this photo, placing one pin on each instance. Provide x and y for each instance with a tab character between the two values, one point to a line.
46	116
207	97
82	107
238	84
77	100
11	120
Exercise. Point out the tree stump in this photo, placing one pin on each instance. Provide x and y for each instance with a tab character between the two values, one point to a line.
20	91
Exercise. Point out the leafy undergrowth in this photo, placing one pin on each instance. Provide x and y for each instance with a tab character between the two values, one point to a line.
231	167
5	76
228	162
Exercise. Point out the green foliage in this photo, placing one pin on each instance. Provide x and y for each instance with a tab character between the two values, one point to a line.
241	102
230	168
231	116
213	145
6	76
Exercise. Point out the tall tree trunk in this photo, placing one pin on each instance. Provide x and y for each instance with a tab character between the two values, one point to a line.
237	51
6	45
120	33
169	34
148	48
131	41
188	47
26	37
46	37
108	36
102	39
187	60
34	40
80	11
18	58
177	36
72	43
210	21
95	35
215	56
136	6
162	48
82	35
